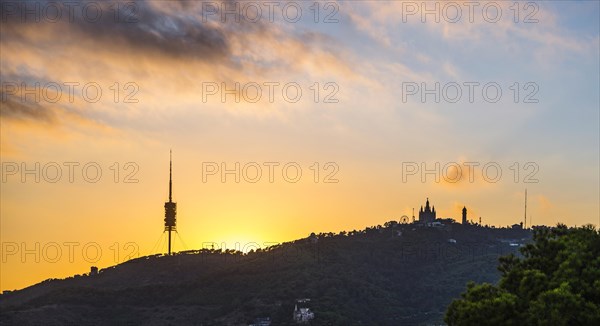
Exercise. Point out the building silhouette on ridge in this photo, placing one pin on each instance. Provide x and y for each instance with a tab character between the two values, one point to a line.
428	214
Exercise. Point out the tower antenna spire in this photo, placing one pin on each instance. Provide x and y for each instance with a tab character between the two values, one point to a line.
525	207
170	175
170	206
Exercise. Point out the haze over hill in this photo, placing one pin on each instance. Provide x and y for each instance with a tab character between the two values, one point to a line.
396	274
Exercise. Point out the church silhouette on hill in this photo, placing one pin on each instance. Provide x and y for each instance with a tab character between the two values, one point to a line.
428	214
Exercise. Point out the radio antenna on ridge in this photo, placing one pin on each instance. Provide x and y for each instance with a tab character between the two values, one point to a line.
525	207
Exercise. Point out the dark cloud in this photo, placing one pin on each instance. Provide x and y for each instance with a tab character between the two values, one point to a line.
133	28
32	105
176	30
11	107
171	30
14	105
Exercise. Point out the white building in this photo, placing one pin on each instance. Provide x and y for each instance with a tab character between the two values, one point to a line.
303	315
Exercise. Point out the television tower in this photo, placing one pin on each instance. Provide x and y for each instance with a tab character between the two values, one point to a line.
170	206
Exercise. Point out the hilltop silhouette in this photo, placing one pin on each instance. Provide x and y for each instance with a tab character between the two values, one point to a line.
395	274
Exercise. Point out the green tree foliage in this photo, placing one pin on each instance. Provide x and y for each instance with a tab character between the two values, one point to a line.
555	282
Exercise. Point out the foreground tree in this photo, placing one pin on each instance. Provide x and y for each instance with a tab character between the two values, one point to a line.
556	282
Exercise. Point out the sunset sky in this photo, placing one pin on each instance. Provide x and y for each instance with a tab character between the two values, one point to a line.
167	72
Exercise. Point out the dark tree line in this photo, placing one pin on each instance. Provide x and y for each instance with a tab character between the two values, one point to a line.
556	282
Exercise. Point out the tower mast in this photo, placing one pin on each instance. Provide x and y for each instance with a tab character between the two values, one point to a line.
170	206
525	207
170	175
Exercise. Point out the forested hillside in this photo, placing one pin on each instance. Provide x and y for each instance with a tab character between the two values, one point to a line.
396	274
